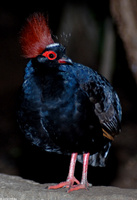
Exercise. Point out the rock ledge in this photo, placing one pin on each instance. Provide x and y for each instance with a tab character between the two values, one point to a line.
16	188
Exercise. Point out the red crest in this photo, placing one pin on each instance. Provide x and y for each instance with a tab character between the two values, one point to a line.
35	36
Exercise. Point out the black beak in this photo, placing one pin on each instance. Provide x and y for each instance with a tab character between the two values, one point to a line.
65	60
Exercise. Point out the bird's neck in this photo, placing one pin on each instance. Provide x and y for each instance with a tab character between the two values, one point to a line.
51	84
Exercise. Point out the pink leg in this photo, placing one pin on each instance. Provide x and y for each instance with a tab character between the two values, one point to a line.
84	183
70	179
85	169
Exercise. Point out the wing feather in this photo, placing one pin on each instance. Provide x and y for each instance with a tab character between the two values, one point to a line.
106	102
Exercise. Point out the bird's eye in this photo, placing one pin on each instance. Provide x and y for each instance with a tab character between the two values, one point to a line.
51	55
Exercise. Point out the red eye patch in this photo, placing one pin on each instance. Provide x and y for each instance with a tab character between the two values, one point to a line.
51	55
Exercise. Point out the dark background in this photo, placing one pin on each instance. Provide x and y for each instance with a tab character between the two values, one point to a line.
89	23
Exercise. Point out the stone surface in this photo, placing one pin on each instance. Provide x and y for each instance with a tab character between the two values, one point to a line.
16	188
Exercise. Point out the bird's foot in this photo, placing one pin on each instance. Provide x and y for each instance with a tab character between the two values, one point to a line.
69	183
80	186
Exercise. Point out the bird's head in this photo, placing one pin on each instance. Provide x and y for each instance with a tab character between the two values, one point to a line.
53	56
37	44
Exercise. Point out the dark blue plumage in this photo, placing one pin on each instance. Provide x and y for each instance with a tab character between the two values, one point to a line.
63	107
66	107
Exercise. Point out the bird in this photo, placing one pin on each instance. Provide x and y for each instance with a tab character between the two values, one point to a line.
63	106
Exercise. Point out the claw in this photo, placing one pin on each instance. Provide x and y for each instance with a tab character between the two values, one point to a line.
85	186
78	187
69	183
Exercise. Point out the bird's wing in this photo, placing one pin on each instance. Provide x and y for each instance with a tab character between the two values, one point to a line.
106	103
